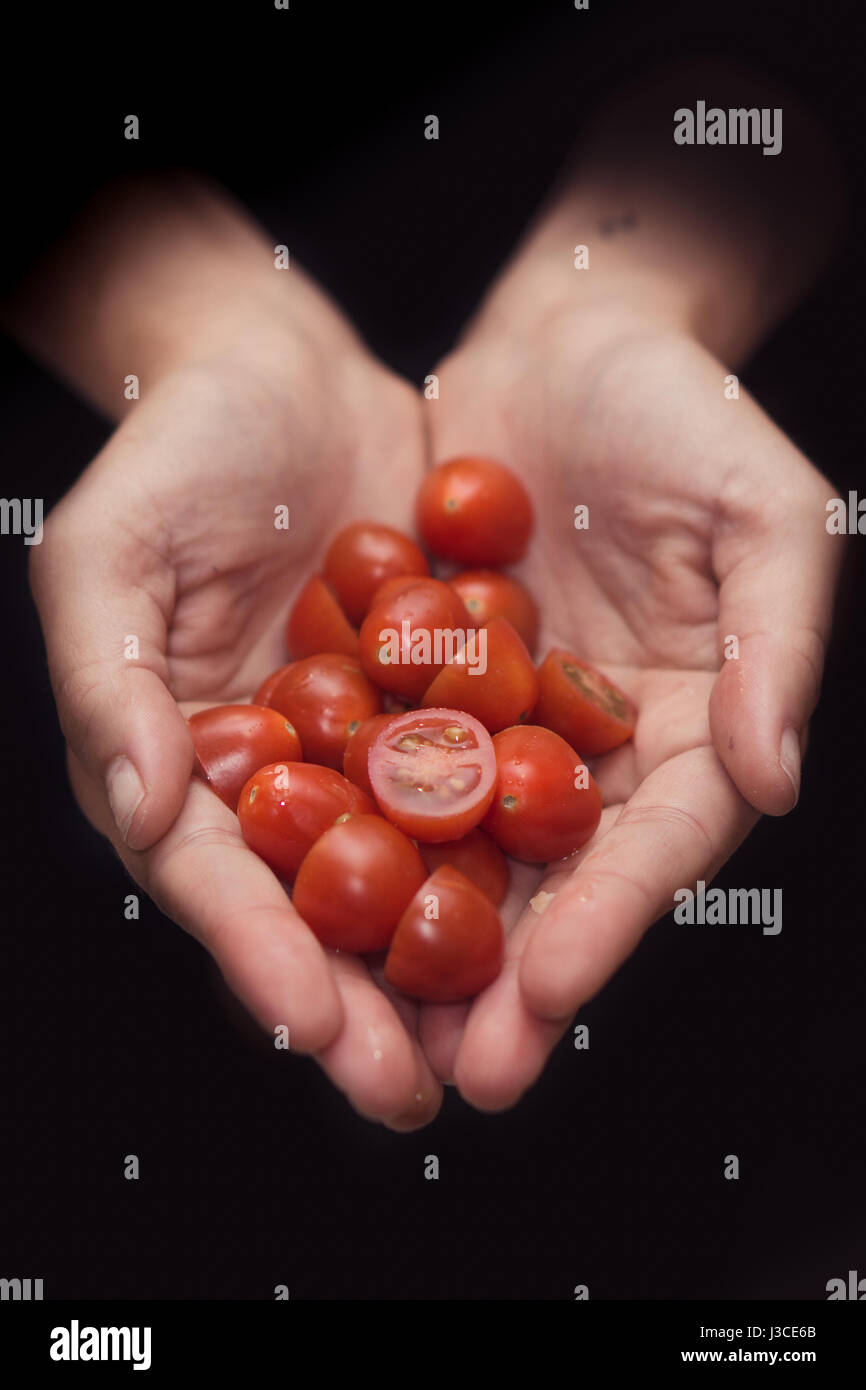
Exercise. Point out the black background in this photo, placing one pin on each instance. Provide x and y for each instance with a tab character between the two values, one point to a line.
118	1037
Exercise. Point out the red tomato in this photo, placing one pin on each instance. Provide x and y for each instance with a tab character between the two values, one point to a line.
491	594
449	942
406	640
474	511
581	705
359	745
284	808
476	856
269	685
391	588
324	696
493	678
433	772
234	741
317	623
537	812
364	554
355	883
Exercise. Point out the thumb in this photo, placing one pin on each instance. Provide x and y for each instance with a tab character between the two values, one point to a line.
103	601
777	569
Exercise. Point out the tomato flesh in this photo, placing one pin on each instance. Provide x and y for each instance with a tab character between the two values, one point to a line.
362	556
234	741
582	705
493	678
317	623
324	697
433	772
449	943
284	808
356	882
538	813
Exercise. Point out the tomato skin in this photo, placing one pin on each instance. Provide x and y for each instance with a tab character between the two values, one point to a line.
504	694
492	594
430	607
414	763
269	685
317	623
355	883
234	741
393	587
476	856
361	557
357	749
582	705
322	696
537	813
284	808
452	956
474	511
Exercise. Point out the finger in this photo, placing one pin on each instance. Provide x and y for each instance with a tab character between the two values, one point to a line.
203	876
777	567
682	824
374	1061
103	601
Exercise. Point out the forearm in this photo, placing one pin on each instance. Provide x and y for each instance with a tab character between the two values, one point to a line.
155	272
717	240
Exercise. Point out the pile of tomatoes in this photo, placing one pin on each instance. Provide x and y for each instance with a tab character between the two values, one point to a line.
387	770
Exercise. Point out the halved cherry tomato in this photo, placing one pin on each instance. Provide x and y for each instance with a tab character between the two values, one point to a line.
492	594
317	623
433	772
364	554
234	741
581	705
493	678
474	511
324	696
355	883
476	856
359	745
269	685
449	942
546	804
406	640
284	808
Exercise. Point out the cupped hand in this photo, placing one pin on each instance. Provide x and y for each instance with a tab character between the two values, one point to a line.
703	585
163	577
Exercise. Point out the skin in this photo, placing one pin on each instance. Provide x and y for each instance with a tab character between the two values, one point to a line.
603	388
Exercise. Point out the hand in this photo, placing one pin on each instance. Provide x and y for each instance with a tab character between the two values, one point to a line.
168	538
704	523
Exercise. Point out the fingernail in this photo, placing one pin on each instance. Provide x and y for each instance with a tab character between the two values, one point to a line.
125	792
789	759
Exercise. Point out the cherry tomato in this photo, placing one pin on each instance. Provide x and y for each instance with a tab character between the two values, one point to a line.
433	772
581	705
538	813
406	640
491	594
233	741
493	678
317	623
269	685
324	697
355	883
364	554
476	856
284	808
391	588
474	511
359	745
449	942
